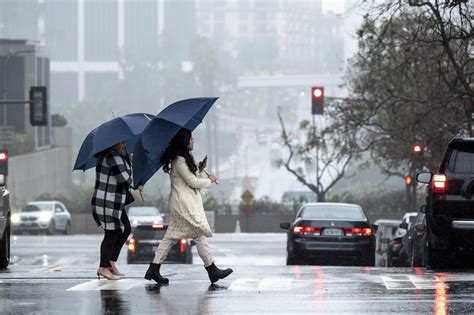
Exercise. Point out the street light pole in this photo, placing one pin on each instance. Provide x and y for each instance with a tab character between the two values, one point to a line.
4	82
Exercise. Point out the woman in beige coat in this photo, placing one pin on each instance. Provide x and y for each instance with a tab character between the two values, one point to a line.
186	209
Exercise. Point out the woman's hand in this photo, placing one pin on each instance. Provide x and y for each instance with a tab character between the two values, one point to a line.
140	188
213	178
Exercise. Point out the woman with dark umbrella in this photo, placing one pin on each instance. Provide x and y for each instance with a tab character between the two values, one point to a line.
188	219
111	195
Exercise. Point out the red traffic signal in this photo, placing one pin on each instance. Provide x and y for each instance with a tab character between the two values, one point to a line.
417	149
317	100
4	162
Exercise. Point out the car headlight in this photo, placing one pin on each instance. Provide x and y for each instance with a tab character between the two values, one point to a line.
134	223
45	217
15	218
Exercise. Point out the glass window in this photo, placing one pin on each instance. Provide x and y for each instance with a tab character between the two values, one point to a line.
332	212
461	159
149	234
38	207
59	208
143	211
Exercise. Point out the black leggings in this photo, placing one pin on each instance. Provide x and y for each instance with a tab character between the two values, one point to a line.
113	242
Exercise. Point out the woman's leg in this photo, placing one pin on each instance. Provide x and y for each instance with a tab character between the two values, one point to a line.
204	250
163	249
122	238
107	247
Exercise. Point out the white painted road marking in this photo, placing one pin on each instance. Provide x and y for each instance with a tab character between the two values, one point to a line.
107	285
266	284
413	282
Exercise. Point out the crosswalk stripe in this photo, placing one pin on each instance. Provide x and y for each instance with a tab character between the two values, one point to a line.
107	285
266	284
413	282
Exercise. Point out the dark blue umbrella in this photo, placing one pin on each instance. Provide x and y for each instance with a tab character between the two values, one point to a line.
158	134
126	128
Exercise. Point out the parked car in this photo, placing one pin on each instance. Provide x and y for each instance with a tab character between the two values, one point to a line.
339	232
385	232
449	204
413	242
5	225
395	244
144	216
42	216
145	240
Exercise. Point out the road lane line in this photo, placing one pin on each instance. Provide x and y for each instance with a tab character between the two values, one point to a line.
275	284
398	283
245	284
107	285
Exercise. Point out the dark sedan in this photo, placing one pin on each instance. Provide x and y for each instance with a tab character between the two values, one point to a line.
414	241
145	240
335	232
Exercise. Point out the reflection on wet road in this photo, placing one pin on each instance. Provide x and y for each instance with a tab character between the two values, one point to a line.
66	283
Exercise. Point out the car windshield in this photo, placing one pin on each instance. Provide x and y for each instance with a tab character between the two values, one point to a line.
38	207
332	212
143	211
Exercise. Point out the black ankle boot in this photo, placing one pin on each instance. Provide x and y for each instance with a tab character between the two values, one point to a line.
153	272
215	273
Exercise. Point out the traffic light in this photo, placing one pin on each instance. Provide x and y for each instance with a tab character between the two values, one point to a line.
408	180
38	106
4	162
317	100
417	149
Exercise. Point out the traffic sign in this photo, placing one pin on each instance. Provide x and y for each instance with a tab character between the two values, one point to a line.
7	135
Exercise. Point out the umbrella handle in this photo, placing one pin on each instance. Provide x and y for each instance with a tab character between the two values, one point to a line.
217	181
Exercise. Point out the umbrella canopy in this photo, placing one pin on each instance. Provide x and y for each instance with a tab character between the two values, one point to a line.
124	128
158	133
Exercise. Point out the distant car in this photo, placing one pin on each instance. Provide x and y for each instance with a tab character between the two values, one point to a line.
449	205
395	244
144	216
414	241
146	238
330	231
5	225
42	216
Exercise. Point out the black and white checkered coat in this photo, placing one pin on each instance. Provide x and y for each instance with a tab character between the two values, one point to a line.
113	181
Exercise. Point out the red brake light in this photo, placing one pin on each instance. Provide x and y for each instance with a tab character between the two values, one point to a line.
358	231
3	156
306	229
439	183
157	226
182	244
131	245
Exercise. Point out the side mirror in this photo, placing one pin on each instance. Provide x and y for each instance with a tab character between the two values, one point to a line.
424	178
403	225
285	226
423	209
420	227
2	180
192	243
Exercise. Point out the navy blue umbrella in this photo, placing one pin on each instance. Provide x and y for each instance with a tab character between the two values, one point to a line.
158	134
126	128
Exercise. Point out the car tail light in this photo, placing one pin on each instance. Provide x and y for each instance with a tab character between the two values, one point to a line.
358	231
131	245
439	183
182	245
157	226
298	230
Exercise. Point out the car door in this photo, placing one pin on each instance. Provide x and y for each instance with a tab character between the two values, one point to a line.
60	215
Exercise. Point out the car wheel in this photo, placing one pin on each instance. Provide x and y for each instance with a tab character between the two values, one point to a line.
5	249
67	230
51	228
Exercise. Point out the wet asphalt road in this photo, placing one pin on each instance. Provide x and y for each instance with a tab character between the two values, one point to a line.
55	275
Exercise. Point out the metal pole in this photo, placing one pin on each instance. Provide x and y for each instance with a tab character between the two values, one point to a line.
4	82
317	159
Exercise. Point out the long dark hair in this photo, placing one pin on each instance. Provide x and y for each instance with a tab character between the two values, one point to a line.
179	147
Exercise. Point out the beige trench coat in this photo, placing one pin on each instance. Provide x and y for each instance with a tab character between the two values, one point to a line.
187	217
